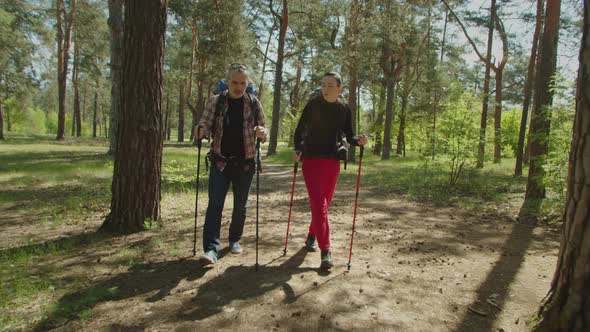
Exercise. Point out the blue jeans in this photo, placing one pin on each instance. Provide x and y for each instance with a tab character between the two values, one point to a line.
240	175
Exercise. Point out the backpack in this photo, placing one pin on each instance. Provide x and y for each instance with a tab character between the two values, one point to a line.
223	86
222	90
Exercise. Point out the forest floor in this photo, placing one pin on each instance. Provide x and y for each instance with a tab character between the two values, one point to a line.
416	266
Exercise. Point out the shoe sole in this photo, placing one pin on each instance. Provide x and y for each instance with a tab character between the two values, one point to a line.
206	260
326	267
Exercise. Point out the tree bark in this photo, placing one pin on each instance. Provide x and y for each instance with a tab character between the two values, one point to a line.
77	123
499	70
104	120
528	90
1	111
195	41
401	139
567	305
486	85
95	112
541	117
167	117
294	97
264	60
389	88
117	28
498	119
392	67
379	114
138	157
352	35
276	103
486	91
437	92
181	112
64	30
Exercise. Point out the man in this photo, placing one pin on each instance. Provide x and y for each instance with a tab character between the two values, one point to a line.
234	120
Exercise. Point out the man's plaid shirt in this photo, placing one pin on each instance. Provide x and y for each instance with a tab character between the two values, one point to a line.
249	134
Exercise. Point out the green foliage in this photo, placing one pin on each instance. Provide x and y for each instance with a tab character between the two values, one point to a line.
510	129
559	149
458	133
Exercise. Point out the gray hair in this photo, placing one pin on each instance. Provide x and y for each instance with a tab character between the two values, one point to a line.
236	68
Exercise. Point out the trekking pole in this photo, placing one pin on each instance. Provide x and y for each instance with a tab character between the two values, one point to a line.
290	207
257	193
358	181
197	194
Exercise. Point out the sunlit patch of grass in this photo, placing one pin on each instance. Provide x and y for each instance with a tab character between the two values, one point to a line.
21	295
128	256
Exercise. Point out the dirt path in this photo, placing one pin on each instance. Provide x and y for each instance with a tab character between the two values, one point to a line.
414	268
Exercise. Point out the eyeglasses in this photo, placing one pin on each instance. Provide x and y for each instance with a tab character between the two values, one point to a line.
238	66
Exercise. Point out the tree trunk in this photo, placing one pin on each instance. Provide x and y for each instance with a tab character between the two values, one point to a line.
1	112
541	117
352	104
498	119
401	139
528	90
379	123
104	120
181	112
95	112
567	306
116	27
75	82
83	107
138	157
388	118
264	60
166	117
73	122
195	40
486	90
276	103
437	92
499	70
294	97
64	30
351	35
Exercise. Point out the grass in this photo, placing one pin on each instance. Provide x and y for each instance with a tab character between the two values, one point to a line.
56	184
428	181
79	305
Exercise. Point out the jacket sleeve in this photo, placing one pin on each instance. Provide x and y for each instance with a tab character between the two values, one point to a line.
260	118
208	116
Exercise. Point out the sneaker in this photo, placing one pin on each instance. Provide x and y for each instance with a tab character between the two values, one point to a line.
310	243
326	263
210	257
235	247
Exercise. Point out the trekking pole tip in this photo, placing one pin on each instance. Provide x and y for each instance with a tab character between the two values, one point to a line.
284	252
348	267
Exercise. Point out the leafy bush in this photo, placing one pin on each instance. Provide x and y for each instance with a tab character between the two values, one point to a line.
458	133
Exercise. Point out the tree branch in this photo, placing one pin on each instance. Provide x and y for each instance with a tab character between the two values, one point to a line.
481	57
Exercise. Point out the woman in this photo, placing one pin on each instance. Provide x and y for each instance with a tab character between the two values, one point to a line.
323	121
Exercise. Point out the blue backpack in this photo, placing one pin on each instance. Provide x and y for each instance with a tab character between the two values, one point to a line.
223	86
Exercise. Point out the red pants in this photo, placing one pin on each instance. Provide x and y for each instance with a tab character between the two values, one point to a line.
320	177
